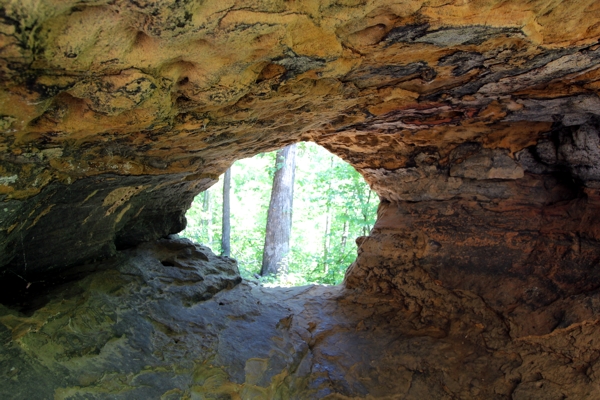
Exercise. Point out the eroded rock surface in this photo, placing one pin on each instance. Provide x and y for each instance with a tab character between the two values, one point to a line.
171	320
477	123
172	92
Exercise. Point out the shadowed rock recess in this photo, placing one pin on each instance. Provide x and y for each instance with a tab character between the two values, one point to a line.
477	123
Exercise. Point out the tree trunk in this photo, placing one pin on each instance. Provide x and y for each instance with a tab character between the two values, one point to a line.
226	233
326	240
327	236
345	234
207	217
366	226
279	216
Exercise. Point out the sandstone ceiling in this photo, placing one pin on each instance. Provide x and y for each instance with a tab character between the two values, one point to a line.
115	113
477	122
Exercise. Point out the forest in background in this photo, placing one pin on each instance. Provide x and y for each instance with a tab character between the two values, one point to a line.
332	206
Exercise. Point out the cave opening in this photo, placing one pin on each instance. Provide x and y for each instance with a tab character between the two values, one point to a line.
332	206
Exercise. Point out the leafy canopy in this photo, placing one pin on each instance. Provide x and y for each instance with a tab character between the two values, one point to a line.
333	205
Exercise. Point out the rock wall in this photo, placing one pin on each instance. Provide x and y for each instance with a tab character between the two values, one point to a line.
476	122
526	243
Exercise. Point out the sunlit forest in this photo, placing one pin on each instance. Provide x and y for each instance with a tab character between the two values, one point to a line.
332	206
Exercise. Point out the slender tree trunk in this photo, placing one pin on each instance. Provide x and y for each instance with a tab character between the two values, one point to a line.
207	216
326	238
345	234
226	233
279	216
366	226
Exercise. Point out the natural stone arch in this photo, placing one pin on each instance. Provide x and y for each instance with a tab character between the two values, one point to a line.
477	122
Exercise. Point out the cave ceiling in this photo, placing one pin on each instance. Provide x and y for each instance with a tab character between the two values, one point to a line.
114	114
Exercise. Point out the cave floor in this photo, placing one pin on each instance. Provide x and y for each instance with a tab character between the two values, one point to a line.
170	320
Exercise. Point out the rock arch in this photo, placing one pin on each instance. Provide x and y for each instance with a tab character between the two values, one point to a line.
477	124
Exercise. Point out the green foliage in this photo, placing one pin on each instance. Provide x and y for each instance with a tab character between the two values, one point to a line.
332	206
